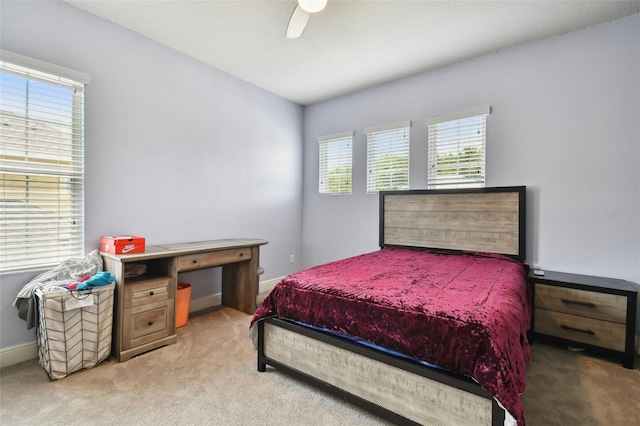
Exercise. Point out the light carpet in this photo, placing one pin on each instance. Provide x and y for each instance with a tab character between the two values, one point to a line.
209	378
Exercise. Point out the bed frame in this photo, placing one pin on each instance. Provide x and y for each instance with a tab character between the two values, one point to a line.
398	388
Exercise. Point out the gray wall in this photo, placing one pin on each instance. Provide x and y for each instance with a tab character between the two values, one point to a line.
564	123
176	151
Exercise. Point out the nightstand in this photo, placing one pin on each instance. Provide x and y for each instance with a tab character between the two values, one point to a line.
591	312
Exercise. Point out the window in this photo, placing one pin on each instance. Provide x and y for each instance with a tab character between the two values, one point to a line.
336	153
388	157
41	163
456	154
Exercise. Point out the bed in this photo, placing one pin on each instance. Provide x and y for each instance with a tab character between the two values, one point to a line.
430	329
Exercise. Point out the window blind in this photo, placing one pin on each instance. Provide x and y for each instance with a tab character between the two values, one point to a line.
457	150
41	167
335	163
388	157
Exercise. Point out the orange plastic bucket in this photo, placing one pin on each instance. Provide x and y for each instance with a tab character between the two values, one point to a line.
183	297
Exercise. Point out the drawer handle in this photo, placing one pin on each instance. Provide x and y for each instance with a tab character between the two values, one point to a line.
241	254
151	293
150	323
576	302
566	327
194	261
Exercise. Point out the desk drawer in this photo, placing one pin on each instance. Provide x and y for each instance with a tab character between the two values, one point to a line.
148	291
211	259
594	332
147	323
590	304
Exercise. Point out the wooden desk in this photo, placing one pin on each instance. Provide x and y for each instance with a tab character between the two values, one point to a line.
144	310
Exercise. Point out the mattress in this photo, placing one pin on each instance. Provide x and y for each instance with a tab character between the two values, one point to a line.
465	312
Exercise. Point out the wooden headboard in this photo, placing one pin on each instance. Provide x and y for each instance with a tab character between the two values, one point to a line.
481	219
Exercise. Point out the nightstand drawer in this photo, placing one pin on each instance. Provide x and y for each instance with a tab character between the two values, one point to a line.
594	332
208	260
148	291
609	307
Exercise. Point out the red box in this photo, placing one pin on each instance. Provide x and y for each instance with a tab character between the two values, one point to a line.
122	244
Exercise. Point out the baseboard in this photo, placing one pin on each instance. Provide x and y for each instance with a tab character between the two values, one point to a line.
205	302
19	353
28	351
268	285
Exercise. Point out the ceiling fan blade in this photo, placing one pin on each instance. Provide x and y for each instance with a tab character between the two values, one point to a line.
297	23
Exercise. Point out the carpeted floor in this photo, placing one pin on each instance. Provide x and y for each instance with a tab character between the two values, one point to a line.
209	378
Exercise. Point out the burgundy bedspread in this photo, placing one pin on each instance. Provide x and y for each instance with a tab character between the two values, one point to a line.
465	312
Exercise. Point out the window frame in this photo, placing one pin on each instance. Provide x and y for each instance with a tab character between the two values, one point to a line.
341	156
400	147
462	124
41	165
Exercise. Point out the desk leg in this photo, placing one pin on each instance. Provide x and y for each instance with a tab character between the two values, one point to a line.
240	283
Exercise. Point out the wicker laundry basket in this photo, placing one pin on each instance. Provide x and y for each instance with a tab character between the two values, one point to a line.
74	338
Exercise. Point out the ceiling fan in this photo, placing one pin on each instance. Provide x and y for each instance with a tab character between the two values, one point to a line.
301	14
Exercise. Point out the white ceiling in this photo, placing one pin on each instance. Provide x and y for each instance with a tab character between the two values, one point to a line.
352	44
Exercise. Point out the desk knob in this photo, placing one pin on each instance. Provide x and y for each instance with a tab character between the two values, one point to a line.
150	323
241	254
195	261
151	293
